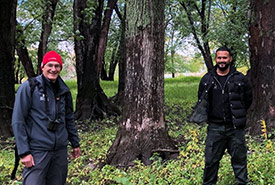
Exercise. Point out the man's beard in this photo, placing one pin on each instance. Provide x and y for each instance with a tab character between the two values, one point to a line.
226	65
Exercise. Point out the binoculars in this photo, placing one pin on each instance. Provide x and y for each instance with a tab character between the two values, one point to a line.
53	124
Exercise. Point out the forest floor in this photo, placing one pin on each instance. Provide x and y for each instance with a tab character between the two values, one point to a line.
97	136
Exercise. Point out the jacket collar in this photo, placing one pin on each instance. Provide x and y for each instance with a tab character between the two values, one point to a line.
63	88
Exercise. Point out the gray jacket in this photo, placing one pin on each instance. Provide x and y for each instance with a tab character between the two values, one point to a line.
30	118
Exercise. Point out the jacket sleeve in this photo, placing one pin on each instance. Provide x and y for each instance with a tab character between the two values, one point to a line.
21	108
73	135
248	96
202	85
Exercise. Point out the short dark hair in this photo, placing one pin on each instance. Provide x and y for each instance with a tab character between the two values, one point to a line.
224	48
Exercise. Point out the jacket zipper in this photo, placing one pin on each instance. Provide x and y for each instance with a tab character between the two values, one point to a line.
55	106
223	88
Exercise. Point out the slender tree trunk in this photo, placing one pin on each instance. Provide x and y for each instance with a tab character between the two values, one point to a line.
172	62
202	43
91	101
142	130
113	65
23	53
46	30
103	74
7	45
24	57
16	72
119	97
262	72
104	33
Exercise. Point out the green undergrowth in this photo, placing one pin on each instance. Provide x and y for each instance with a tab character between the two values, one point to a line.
180	95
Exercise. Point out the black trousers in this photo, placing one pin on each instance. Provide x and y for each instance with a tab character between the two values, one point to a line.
219	138
50	168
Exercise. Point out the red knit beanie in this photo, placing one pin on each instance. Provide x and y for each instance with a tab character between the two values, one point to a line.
51	56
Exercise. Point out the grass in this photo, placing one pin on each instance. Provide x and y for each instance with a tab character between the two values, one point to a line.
180	95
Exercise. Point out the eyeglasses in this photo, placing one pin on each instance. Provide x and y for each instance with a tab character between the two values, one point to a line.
57	66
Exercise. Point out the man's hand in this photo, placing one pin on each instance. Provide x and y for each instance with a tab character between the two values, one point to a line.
76	152
28	161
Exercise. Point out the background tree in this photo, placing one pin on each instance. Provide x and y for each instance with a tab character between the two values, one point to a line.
48	26
173	36
104	34
7	47
112	50
202	12
22	52
212	23
262	72
230	26
121	56
91	101
47	22
142	130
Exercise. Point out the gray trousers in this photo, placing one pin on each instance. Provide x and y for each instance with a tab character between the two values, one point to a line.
50	168
219	138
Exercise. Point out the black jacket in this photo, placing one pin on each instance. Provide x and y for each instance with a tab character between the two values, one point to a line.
236	94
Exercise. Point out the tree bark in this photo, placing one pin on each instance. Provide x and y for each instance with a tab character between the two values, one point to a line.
142	130
104	34
17	72
91	102
119	97
262	72
23	53
7	46
112	67
103	74
113	64
46	30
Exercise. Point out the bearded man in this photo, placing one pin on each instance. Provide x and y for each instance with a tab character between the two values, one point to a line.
224	97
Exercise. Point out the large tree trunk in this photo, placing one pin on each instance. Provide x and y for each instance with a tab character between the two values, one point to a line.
142	130
91	101
46	30
7	45
262	72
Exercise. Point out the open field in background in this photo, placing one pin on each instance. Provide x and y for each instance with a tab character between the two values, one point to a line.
180	96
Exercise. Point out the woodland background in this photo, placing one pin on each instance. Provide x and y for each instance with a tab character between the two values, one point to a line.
132	45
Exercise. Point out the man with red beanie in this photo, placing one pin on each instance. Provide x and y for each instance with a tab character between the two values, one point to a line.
43	124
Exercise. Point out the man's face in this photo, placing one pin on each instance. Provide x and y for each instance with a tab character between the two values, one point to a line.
223	60
51	70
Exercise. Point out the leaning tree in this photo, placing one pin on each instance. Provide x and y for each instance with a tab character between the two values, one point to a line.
262	72
142	130
7	43
201	36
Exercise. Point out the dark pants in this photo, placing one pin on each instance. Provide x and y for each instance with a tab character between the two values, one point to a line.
219	138
50	168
